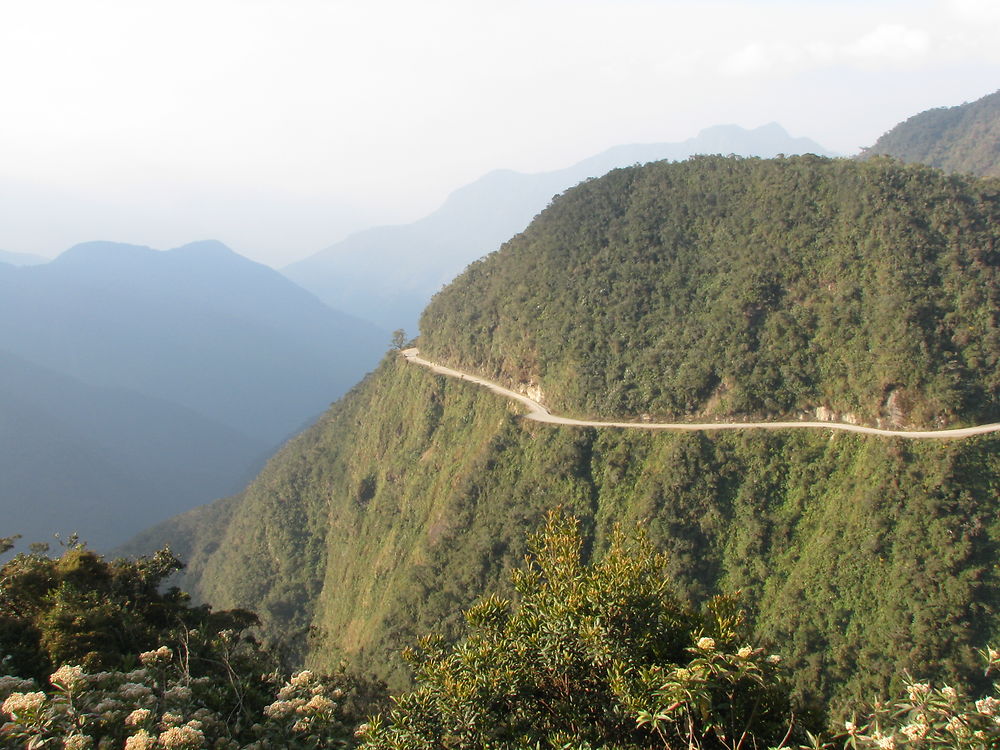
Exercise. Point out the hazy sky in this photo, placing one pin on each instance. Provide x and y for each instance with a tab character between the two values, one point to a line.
277	126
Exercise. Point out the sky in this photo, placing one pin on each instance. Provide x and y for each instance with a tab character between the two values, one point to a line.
280	126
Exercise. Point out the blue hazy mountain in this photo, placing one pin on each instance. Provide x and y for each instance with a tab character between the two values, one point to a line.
199	326
21	259
138	383
105	462
388	274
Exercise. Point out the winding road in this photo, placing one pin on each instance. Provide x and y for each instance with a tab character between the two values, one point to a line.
539	413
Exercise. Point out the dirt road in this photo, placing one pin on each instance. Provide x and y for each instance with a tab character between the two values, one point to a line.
539	413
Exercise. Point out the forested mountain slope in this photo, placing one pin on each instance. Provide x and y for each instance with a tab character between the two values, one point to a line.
727	287
388	274
858	556
965	138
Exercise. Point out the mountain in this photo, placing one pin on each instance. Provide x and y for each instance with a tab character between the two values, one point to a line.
719	286
199	326
962	139
105	462
21	259
141	383
388	274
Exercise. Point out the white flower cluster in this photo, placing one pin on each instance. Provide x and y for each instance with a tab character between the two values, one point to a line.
156	658
165	710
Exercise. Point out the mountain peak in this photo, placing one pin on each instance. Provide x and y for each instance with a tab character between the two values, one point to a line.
205	248
102	251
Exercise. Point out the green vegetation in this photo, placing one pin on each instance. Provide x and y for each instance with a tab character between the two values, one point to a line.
858	557
964	139
138	661
592	656
598	655
726	286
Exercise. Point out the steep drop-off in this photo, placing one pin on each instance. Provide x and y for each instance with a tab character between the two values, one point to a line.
858	556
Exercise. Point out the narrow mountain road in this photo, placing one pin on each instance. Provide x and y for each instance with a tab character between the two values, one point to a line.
539	413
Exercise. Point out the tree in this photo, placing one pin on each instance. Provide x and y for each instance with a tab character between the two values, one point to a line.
591	656
398	338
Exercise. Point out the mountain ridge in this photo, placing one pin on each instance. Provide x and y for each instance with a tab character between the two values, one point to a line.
387	274
964	138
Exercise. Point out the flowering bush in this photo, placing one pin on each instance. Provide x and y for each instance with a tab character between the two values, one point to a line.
159	706
929	718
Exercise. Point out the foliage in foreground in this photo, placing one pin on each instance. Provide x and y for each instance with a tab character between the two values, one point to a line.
587	656
202	677
592	656
159	705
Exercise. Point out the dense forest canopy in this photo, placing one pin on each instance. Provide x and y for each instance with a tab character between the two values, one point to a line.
729	286
962	139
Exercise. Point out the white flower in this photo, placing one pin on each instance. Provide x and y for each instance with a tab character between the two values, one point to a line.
301	679
67	677
19	703
182	738
139	716
107	705
745	653
320	704
774	659
887	742
917	690
957	727
78	742
949	693
987	705
142	740
133	690
706	644
162	655
281	709
178	694
170	719
915	732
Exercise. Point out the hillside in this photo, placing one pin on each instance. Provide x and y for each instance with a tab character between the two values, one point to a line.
858	555
388	274
725	287
964	139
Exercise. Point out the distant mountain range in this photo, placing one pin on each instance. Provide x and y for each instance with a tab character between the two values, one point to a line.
965	138
139	383
21	259
105	462
387	274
